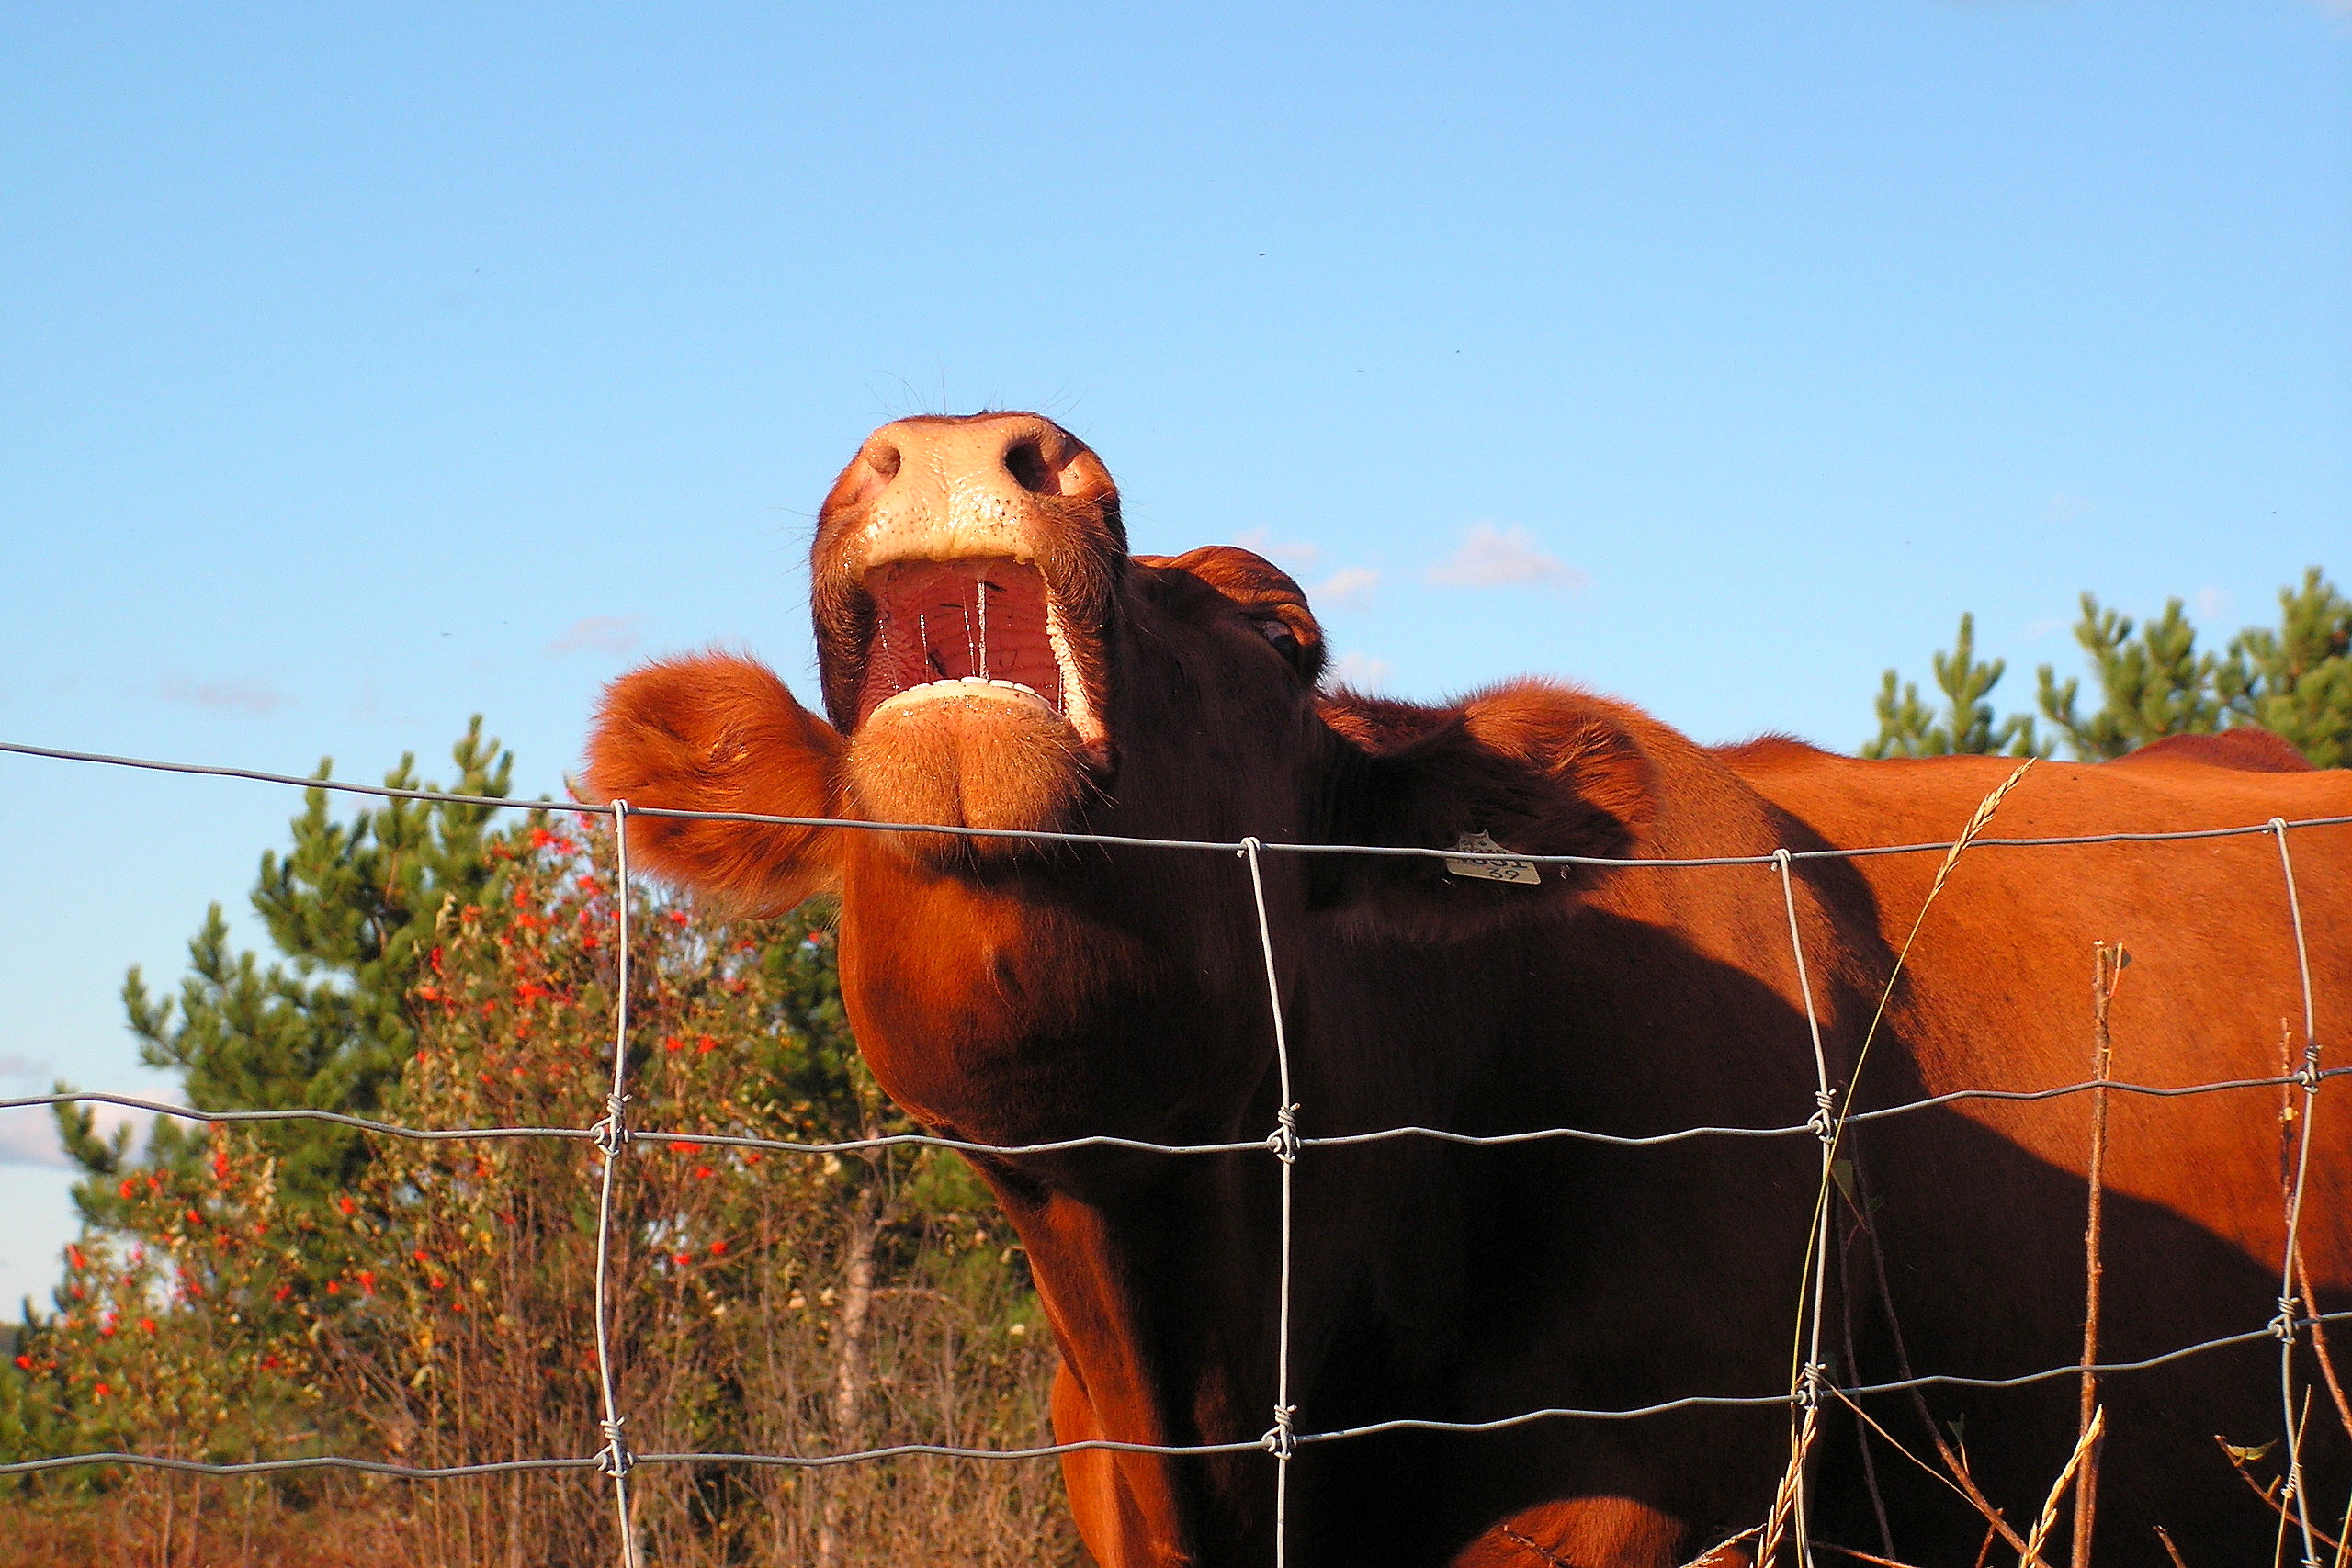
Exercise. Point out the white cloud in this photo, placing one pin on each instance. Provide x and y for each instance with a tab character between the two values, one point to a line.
28	1136
1350	588
226	696
2210	603
1289	552
600	634
2065	508
1493	558
1359	670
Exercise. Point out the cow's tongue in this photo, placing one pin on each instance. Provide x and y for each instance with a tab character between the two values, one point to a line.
983	618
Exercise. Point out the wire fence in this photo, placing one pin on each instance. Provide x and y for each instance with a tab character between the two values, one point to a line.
1810	1387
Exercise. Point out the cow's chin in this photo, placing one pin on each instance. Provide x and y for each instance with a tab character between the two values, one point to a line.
992	759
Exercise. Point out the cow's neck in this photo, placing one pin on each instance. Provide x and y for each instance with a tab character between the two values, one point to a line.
1155	1290
997	1014
1037	1005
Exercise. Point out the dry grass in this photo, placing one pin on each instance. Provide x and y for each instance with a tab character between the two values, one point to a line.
965	1514
439	1311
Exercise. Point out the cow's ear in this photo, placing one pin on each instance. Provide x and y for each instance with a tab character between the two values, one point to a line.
1536	769
1268	597
715	732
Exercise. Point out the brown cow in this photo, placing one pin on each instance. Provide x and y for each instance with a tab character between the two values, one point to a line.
991	657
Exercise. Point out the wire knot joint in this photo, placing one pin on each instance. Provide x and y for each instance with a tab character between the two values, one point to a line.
2282	1327
1281	1439
611	1132
1812	1384
615	1460
1823	1122
1283	1140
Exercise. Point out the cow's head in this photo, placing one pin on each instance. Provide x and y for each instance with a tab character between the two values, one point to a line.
996	659
992	657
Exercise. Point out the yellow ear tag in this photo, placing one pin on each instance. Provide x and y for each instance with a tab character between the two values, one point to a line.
1513	870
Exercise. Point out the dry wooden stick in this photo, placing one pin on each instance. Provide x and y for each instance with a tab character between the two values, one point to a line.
2302	1278
2286	1115
2335	1391
2270	1495
1784	1499
2107	970
1959	1480
1856	1201
1789	1495
1955	1472
2286	1194
2319	1343
1727	1552
2032	1556
1860	1556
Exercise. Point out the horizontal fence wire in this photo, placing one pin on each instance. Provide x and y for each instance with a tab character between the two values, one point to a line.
612	1137
1144	1145
1232	847
1258	1445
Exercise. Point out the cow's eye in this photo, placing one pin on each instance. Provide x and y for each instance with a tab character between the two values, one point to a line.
1276	630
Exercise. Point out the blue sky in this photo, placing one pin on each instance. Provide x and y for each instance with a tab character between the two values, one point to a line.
363	368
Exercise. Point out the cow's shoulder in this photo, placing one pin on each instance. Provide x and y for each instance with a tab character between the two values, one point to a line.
1762	754
2247	748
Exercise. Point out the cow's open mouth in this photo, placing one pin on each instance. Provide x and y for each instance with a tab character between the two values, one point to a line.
984	629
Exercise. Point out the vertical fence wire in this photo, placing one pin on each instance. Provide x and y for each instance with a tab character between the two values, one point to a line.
612	1140
2288	1306
1806	1385
1283	1141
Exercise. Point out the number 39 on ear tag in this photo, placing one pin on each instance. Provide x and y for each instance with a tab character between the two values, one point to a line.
1522	871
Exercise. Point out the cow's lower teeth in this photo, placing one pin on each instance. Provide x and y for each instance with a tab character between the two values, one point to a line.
957	682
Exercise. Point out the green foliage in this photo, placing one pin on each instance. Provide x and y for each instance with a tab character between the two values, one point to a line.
2297	682
1908	727
185	1326
748	1289
327	1028
262	1293
2153	681
2151	685
32	1421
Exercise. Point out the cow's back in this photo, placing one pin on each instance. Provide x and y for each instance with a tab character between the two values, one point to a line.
1998	994
1998	990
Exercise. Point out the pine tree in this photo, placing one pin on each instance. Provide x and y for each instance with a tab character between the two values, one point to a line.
351	907
2297	682
2152	685
1908	727
2152	682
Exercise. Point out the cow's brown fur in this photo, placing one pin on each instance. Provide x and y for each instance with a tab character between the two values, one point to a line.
1047	992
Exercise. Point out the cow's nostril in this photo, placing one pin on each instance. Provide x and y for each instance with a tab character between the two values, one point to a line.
883	458
1026	463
